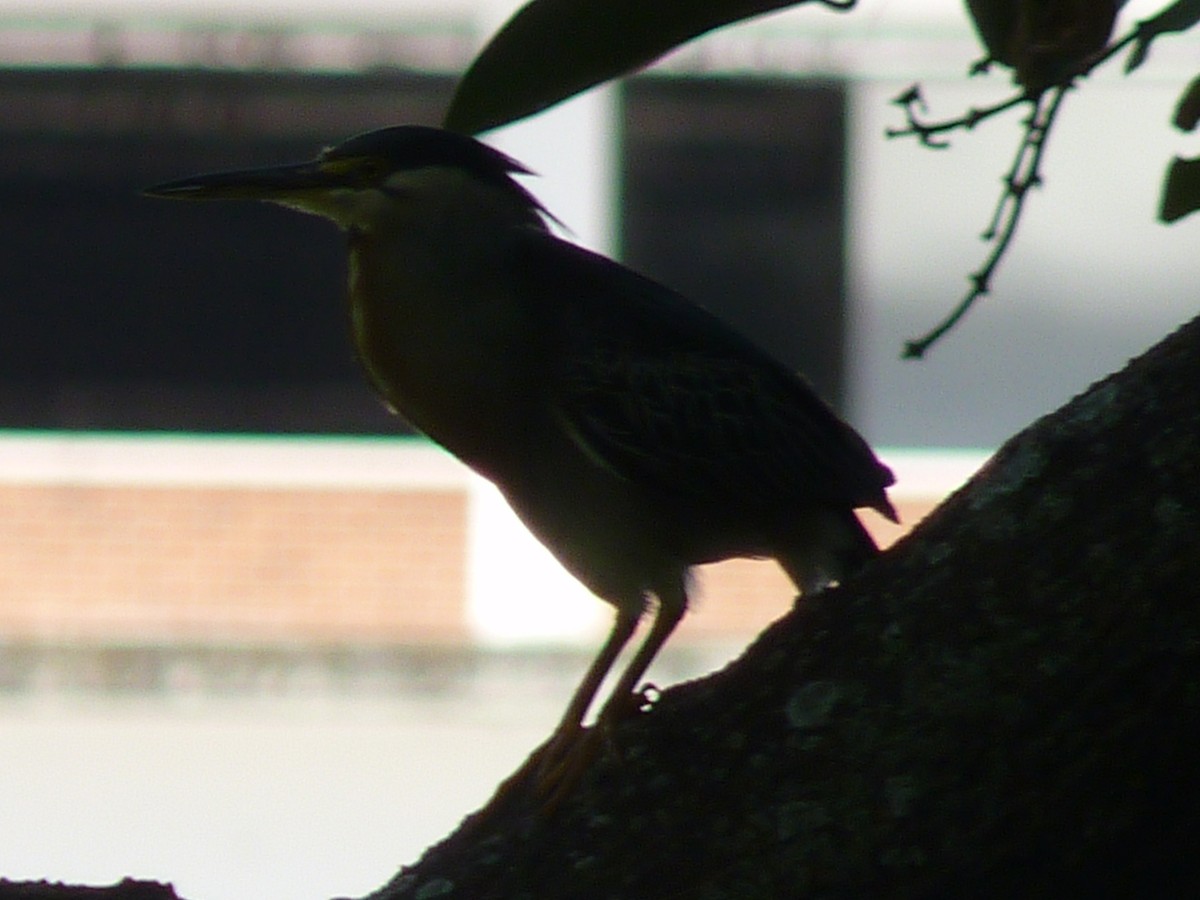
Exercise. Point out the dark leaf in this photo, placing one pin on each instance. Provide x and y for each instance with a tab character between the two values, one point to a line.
1187	113
1181	190
553	49
1044	42
1179	16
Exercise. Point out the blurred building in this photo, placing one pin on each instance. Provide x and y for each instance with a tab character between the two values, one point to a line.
747	169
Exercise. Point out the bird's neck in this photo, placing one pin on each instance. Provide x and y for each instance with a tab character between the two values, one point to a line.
441	336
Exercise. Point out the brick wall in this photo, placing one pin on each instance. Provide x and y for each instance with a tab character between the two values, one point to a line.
200	564
290	550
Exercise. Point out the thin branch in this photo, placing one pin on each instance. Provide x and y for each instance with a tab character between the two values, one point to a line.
925	131
1025	171
1024	174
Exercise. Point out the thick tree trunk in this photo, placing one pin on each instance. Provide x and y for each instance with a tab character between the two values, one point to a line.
1007	704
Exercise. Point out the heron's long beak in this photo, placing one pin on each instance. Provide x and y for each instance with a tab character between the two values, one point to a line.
276	183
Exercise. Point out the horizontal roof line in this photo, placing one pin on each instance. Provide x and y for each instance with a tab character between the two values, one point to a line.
189	460
319	463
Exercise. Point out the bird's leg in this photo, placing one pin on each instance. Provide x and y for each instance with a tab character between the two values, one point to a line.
625	698
569	752
556	765
552	754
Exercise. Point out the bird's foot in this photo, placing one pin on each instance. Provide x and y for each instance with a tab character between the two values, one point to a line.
561	762
552	772
539	776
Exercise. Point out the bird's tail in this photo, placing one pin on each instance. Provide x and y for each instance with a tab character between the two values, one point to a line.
826	548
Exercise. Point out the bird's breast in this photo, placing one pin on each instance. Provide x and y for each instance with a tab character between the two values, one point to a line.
440	341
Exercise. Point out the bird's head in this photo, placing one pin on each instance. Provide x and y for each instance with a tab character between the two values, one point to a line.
368	176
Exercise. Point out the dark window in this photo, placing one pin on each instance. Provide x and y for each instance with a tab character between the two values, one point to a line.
732	193
121	312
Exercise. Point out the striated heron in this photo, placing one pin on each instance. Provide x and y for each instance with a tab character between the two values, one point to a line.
634	433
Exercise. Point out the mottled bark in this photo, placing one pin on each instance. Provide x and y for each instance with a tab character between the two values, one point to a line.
1006	704
128	889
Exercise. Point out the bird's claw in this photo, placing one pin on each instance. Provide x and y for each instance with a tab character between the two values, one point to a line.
645	697
561	762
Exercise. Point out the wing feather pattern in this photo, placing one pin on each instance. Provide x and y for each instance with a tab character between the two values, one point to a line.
665	394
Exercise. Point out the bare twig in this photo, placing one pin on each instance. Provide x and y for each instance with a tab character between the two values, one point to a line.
1025	170
1024	174
925	131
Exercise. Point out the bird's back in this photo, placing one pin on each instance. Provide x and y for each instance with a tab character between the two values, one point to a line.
735	454
666	393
